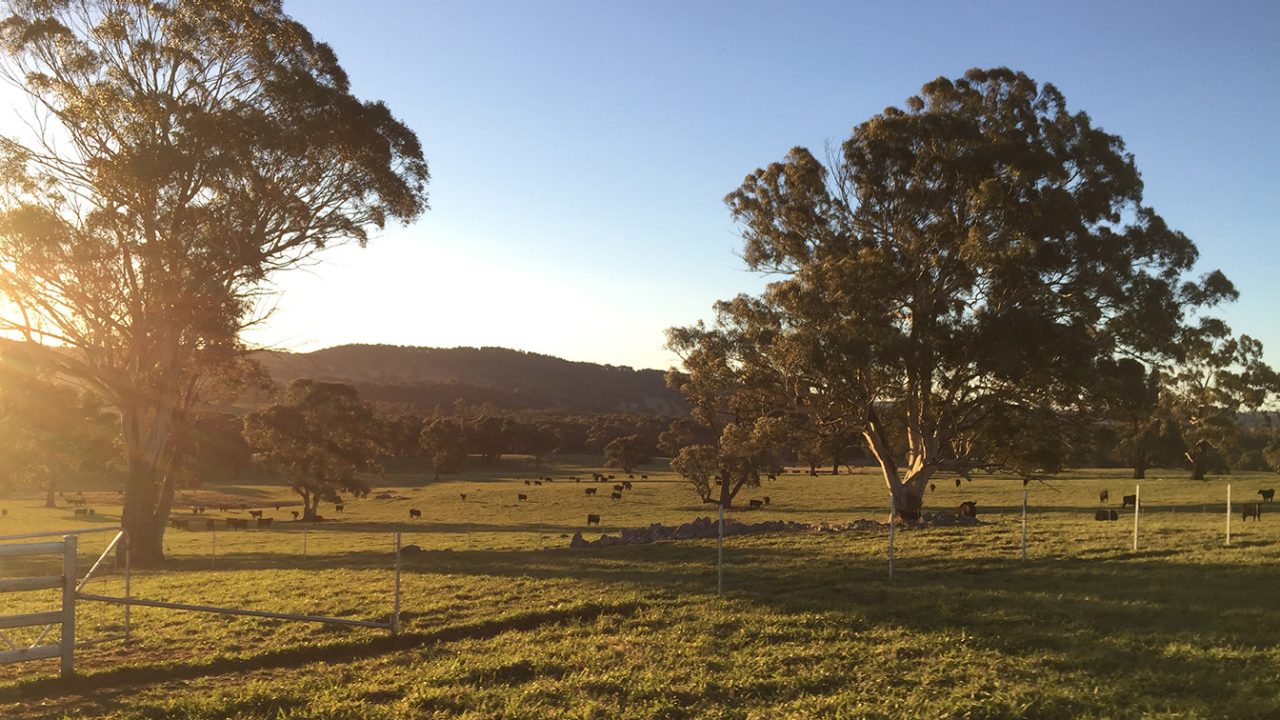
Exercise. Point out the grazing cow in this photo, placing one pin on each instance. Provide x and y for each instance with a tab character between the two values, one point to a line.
295	514
538	483
463	496
932	487
1104	496
237	524
631	477
1106	515
644	477
611	477
522	497
547	479
626	484
277	507
616	496
339	508
593	519
767	500
957	482
619	488
528	482
755	504
1267	495
255	513
968	508
590	491
771	476
414	513
264	522
577	479
1128	500
1252	510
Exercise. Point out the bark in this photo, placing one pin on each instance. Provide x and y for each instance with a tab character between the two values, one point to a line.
907	491
148	486
50	489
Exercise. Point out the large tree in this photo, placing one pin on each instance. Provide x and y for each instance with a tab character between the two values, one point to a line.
953	277
320	439
181	153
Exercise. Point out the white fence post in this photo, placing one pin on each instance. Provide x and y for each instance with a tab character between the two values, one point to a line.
1024	524
720	554
1228	514
1137	503
395	617
68	606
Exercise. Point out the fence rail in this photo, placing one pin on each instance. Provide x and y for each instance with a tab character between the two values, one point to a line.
66	616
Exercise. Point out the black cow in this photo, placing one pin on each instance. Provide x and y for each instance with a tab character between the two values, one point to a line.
932	487
414	513
590	491
522	497
295	514
538	483
1267	495
1106	515
593	519
644	477
616	496
968	508
528	482
766	500
957	482
619	488
626	484
255	514
757	503
1104	496
463	496
1252	510
1128	500
339	508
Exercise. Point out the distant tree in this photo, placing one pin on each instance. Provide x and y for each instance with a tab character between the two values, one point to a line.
320	438
180	154
488	436
962	264
626	453
1128	393
443	441
1219	376
1272	455
680	434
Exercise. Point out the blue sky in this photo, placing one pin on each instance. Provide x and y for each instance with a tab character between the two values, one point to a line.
580	151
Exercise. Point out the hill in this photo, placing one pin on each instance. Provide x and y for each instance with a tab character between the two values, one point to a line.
508	379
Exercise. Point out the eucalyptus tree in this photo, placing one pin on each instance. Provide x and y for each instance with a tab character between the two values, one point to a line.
947	283
180	153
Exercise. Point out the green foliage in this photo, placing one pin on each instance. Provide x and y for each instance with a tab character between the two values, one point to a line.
625	452
960	267
443	441
320	438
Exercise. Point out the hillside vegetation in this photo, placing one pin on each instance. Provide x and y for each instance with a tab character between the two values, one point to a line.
507	379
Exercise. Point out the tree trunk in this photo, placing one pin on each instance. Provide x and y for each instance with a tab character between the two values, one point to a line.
813	468
50	489
148	488
908	492
1140	469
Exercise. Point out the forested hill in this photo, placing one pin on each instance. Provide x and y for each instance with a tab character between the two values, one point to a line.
507	379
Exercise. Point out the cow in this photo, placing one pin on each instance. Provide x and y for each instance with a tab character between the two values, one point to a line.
1128	500
1106	515
612	477
957	482
521	497
593	519
577	479
1251	510
756	504
264	522
968	508
295	514
619	488
255	514
538	483
528	482
932	487
771	476
590	491
414	513
644	477
616	496
277	507
767	500
1267	495
626	484
1104	496
463	496
339	508
631	477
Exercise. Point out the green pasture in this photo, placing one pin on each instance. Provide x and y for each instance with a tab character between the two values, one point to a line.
502	619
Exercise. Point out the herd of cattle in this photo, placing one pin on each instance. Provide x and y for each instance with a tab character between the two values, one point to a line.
1248	510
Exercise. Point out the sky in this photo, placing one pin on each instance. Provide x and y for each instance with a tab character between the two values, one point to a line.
580	151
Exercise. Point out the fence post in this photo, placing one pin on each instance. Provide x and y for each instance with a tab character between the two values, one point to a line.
128	551
720	555
893	522
1228	514
213	549
68	645
395	616
1024	524
1137	503
304	543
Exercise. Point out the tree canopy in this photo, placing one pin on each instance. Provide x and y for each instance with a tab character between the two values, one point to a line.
947	283
182	152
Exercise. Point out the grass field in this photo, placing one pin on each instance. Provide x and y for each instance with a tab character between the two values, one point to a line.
502	619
